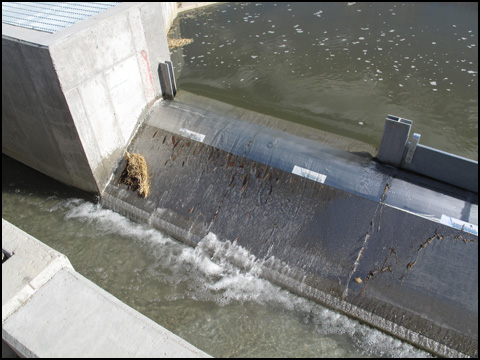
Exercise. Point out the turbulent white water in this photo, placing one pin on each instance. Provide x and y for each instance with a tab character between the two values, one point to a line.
230	310
210	295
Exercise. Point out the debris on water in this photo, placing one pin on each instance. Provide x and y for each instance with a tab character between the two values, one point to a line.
135	175
175	43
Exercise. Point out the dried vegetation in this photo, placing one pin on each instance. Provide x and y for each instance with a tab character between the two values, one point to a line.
175	43
135	175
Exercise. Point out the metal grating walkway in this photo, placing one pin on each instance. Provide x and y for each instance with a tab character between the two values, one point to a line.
50	16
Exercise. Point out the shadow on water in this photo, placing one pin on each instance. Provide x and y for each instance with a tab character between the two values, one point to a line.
16	178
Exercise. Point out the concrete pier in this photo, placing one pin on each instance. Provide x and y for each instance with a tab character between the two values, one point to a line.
72	98
50	310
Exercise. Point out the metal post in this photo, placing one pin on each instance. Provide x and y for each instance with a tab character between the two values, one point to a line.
165	77
394	139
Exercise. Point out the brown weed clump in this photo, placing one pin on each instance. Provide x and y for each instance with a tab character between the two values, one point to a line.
135	175
175	43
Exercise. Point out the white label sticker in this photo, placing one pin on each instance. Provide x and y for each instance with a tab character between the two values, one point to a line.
309	174
192	134
459	224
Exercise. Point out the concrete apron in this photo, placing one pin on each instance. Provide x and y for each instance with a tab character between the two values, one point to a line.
359	237
50	310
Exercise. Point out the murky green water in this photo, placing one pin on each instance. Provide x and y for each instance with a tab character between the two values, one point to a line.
341	67
196	293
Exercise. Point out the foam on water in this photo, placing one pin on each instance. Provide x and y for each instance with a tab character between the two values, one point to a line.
226	276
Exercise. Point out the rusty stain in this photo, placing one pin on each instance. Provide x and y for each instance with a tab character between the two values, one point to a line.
244	182
380	217
387	187
233	178
155	134
173	140
215	216
188	144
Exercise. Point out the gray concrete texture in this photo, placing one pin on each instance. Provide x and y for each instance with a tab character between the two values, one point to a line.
49	310
418	277
72	100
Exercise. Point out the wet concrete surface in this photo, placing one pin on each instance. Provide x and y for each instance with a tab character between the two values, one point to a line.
403	273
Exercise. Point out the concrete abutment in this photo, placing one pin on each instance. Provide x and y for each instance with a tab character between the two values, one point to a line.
72	99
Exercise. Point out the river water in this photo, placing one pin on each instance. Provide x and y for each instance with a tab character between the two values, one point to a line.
341	67
197	294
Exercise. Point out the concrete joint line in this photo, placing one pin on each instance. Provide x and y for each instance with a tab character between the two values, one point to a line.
24	295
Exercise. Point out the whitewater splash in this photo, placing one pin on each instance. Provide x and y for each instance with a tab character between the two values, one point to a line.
226	277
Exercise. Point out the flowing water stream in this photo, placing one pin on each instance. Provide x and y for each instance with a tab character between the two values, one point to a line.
340	67
195	293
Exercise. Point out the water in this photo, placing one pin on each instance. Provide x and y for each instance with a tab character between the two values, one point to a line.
341	67
196	293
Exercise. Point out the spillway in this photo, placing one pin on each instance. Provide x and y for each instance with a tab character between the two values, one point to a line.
364	238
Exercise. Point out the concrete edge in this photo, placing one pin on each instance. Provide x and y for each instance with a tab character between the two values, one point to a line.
55	264
13	241
22	297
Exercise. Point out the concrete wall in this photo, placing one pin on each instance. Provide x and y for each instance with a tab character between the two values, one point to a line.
37	127
72	100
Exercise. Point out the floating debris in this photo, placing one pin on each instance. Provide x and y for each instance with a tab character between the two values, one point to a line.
175	43
358	280
135	175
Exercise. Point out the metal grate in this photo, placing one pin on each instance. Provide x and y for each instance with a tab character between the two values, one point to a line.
50	16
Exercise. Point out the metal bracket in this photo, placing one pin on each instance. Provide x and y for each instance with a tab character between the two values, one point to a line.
411	148
394	140
167	80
